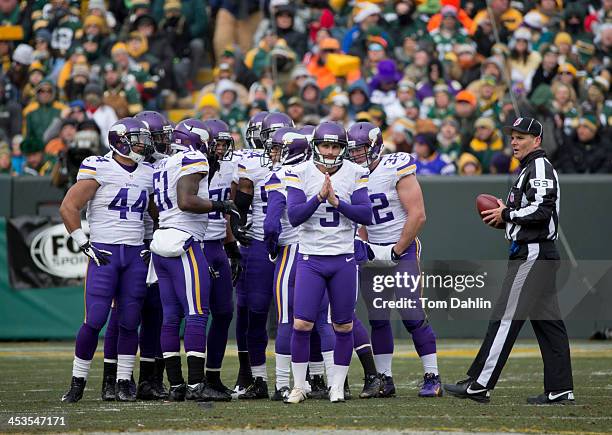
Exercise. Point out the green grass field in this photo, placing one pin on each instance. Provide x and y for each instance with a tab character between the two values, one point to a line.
34	375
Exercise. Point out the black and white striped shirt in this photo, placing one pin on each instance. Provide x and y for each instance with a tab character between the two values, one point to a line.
533	202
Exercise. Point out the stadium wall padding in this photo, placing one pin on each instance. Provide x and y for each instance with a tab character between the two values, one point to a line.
453	232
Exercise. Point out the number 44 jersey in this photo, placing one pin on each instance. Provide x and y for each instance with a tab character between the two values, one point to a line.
388	215
115	213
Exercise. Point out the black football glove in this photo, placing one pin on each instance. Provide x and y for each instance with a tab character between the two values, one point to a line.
99	256
234	256
145	254
240	232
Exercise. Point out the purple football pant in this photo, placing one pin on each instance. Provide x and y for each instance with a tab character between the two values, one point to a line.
123	280
221	302
316	275
150	328
254	293
414	319
184	286
284	289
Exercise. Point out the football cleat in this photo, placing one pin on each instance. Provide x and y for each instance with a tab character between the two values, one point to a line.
146	391
432	387
238	391
559	398
347	390
257	390
109	391
159	388
371	386
220	387
281	394
388	388
297	395
469	389
203	393
318	388
177	393
336	394
125	391
75	393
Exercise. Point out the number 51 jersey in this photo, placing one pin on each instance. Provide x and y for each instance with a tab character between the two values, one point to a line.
115	213
167	174
388	215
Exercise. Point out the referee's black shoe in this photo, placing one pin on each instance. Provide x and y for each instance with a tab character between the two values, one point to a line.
469	389
559	398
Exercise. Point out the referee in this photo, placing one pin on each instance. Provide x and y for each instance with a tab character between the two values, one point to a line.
531	219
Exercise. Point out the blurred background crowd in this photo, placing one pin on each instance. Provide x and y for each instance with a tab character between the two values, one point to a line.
440	77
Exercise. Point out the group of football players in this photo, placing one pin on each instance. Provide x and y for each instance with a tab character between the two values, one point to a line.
178	219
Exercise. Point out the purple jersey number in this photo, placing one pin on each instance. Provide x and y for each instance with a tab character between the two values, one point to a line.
157	180
335	219
119	203
383	203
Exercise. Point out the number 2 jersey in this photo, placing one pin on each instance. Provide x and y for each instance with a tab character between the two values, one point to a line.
166	176
388	215
327	231
116	212
219	189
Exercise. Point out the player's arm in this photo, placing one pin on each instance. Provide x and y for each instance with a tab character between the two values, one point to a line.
272	222
243	199
75	200
359	210
299	208
189	201
411	198
152	210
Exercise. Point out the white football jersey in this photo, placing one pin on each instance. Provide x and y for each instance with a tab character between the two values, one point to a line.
165	180
275	182
389	216
249	167
219	190
148	220
116	212
327	231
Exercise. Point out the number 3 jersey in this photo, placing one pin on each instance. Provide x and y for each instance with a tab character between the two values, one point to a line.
327	231
115	213
219	189
165	181
388	214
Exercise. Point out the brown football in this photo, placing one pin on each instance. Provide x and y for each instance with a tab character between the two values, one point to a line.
484	201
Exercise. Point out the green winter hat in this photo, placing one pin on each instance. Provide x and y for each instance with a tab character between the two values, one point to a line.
31	146
541	96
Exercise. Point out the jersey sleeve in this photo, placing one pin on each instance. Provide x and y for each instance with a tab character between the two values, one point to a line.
407	166
274	183
361	178
293	178
250	168
93	168
193	162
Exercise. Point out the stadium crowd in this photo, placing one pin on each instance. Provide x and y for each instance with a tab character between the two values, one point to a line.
439	77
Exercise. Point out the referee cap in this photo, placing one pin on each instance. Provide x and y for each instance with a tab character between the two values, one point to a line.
525	125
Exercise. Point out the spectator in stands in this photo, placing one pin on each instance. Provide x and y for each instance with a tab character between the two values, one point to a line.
10	112
311	96
546	72
502	163
366	16
450	32
5	159
39	114
449	140
75	85
284	21
271	49
468	62
18	71
37	163
231	111
236	22
523	61
295	110
466	113
208	107
401	137
596	102
240	73
103	114
468	164
564	108
442	106
359	98
406	24
435	74
587	151
486	142
64	140
74	112
338	110
119	94
383	87
429	161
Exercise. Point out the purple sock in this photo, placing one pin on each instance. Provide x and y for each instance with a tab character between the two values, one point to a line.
424	339
327	336
242	324
86	342
315	346
257	338
111	335
170	340
300	346
360	337
217	339
344	348
195	333
283	339
150	329
382	337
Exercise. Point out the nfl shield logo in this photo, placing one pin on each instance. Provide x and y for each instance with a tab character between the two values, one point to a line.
517	122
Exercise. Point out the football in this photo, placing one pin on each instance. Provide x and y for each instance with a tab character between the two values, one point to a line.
484	201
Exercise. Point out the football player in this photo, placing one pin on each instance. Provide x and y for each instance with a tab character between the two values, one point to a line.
256	279
181	195
245	376
150	385
399	215
116	192
325	197
218	245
